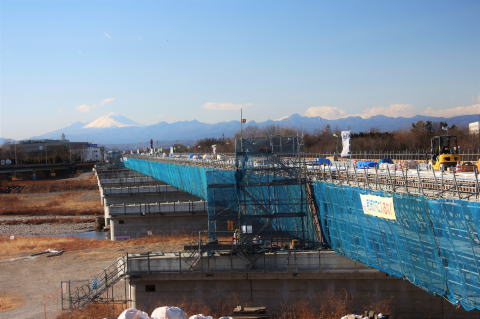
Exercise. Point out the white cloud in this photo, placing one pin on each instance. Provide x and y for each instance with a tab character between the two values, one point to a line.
224	106
90	107
107	35
453	111
326	112
84	108
334	113
393	110
107	100
282	118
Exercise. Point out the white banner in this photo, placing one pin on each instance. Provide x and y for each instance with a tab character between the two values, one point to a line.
345	143
378	206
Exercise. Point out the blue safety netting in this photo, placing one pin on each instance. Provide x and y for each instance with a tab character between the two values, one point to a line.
258	194
226	197
190	179
434	244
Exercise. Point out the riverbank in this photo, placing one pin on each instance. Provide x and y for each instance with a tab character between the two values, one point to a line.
45	229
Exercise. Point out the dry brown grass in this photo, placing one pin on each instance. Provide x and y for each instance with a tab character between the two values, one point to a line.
330	307
333	306
29	245
8	302
94	311
70	203
58	185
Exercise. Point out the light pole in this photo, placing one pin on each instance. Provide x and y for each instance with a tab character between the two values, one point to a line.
15	151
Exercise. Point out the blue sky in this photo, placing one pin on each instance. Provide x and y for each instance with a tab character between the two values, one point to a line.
68	61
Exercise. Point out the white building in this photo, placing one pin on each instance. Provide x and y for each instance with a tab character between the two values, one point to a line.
474	127
92	153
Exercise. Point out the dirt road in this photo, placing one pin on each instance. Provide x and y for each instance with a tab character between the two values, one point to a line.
37	280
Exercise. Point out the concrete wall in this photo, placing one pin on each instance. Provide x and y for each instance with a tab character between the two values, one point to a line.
278	290
125	227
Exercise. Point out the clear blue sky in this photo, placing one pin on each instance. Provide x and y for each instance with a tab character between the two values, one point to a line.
181	60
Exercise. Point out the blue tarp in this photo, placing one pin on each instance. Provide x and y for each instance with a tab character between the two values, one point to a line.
366	164
435	244
385	160
324	161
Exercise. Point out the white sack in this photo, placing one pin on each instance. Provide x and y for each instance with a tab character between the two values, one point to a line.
132	313
166	312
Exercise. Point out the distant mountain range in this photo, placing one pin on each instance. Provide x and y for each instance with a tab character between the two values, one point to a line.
117	129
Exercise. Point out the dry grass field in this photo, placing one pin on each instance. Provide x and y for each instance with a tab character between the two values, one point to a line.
94	311
8	302
28	245
61	197
58	203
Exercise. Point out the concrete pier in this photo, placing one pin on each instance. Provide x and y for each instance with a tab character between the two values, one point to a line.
277	280
139	206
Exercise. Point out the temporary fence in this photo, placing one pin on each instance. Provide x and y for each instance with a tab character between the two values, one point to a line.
435	244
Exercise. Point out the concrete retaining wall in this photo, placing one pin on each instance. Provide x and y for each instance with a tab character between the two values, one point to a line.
127	227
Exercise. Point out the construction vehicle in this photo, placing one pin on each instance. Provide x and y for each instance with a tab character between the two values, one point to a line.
444	152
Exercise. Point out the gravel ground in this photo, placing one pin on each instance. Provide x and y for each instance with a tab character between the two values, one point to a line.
45	229
37	279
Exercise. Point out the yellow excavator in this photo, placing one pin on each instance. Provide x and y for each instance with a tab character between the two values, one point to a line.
444	152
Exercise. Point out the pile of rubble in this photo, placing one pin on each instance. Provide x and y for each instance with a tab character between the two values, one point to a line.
367	315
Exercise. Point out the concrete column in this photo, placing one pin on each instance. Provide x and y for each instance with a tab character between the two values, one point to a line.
112	229
132	296
106	214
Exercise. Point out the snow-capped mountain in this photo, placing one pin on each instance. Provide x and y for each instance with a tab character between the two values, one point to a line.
117	129
111	120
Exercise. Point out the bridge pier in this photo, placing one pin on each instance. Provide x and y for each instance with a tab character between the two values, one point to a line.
136	206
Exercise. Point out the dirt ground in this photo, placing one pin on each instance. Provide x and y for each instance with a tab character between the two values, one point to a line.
36	280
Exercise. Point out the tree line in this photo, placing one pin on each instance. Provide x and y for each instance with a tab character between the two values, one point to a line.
414	139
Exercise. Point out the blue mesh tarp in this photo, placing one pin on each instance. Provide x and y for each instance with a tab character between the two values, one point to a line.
433	243
260	195
191	179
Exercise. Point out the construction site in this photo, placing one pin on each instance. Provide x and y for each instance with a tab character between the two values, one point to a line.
273	225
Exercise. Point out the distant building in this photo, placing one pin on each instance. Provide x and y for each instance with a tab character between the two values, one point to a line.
51	151
474	127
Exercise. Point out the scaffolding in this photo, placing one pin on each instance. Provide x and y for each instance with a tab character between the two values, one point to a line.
265	199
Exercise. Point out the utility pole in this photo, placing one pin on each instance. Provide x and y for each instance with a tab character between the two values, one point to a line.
15	151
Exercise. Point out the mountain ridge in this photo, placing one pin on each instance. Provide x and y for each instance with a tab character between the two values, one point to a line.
123	131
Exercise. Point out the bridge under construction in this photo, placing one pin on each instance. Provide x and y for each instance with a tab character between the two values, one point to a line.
422	226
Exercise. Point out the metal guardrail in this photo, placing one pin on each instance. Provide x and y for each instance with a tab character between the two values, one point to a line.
77	294
429	183
226	262
139	189
158	208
